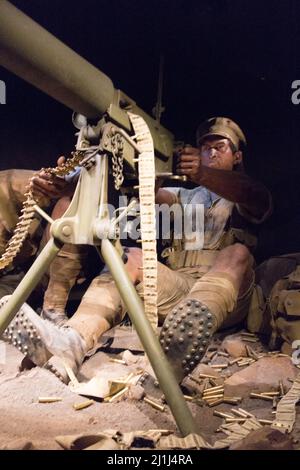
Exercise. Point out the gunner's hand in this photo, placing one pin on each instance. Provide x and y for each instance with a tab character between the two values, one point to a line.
189	163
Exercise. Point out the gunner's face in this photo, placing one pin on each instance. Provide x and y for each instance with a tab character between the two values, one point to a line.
217	153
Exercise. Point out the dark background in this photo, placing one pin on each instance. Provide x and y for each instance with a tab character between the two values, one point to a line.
222	57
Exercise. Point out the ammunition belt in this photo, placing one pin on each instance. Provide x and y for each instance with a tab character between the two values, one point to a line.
28	211
286	408
146	167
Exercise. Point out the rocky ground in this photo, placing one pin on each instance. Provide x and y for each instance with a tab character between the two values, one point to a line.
245	367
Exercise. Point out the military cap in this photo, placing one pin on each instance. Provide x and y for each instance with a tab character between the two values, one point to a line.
221	126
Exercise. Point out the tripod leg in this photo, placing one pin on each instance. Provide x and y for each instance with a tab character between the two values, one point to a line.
158	360
28	283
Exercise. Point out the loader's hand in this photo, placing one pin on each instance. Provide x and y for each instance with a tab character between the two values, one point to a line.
50	186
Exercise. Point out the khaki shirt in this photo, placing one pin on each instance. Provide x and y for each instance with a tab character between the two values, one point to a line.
218	214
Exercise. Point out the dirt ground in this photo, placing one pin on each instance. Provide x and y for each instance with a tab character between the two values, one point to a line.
24	420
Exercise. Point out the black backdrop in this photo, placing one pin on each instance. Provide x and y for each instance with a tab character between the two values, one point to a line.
222	57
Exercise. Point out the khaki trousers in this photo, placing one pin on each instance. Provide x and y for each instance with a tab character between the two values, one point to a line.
102	300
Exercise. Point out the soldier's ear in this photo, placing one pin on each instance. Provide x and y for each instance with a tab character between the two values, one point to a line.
237	157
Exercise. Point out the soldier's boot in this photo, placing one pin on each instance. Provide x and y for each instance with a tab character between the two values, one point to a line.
64	271
188	328
100	309
39	339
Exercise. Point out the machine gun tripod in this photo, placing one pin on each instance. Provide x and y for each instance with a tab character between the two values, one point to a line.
87	222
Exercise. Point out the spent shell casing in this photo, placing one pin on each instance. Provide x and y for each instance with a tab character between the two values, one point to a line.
213	382
281	388
188	398
213	397
215	402
259	395
232	400
251	352
222	353
206	376
118	395
221	414
208	391
205	385
235	420
118	361
155	405
217	387
199	382
243	363
211	354
250	339
249	415
239	413
234	361
49	399
265	421
82	405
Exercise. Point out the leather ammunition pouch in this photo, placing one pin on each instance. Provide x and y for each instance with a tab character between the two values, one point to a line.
275	304
236	235
284	307
177	259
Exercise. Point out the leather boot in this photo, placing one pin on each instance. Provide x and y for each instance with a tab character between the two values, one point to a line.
40	339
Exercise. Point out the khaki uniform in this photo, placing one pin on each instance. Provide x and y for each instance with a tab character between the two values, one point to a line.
176	280
13	185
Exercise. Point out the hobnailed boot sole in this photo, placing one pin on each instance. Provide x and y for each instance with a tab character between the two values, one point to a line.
186	335
22	334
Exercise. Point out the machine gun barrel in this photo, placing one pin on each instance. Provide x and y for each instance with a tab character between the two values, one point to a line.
35	55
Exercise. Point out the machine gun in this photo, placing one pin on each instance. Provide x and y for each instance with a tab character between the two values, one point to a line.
125	139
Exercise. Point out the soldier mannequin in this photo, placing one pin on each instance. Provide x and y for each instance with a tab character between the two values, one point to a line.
209	290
